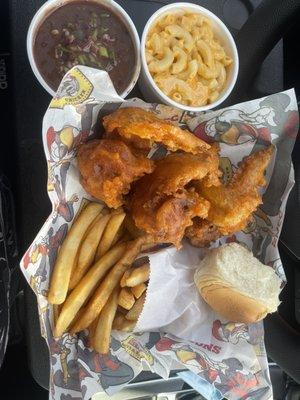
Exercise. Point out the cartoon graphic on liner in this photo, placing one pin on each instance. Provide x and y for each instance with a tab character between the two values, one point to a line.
86	111
229	332
74	89
69	87
39	253
67	375
226	375
133	347
64	368
234	126
62	143
235	332
61	146
175	115
111	371
64	207
260	230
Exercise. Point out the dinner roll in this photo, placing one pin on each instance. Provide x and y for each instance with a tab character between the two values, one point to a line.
237	285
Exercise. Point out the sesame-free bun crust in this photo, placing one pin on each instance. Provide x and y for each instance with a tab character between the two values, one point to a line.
237	285
232	305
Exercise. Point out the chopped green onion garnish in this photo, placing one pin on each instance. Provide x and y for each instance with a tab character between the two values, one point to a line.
112	54
103	51
104	15
94	20
65	49
82	59
95	34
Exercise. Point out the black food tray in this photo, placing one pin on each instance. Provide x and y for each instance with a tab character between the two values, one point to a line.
29	103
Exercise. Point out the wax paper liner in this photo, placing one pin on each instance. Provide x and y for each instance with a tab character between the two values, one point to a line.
230	356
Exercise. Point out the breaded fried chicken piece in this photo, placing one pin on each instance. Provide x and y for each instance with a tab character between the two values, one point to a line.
202	232
176	170
211	159
232	204
162	205
108	167
167	217
142	128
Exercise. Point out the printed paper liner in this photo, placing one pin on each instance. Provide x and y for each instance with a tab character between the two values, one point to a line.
230	356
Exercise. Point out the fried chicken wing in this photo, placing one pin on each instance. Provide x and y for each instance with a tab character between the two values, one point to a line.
176	170
143	128
202	232
162	205
167	217
108	167
211	159
232	204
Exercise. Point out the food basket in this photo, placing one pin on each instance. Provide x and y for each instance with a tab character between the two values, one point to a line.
231	357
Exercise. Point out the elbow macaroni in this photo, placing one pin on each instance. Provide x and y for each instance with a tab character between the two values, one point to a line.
163	64
191	71
181	60
186	60
180	33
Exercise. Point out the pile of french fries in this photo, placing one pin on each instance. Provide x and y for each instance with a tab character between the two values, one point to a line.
94	285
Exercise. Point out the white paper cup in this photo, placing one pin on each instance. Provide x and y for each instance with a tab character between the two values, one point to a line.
151	91
50	6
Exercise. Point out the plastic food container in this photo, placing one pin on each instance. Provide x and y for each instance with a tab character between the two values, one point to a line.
148	87
50	6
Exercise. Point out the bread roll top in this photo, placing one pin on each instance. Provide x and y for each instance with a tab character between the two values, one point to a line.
237	285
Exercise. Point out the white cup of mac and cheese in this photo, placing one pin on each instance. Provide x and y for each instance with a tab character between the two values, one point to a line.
189	58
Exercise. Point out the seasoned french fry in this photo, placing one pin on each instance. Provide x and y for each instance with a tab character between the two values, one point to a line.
135	311
67	255
91	333
88	249
119	234
106	287
93	327
138	290
122	324
138	275
56	311
101	338
110	232
76	317
124	277
126	298
84	289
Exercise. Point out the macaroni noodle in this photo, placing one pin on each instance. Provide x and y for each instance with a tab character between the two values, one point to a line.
181	60
163	64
